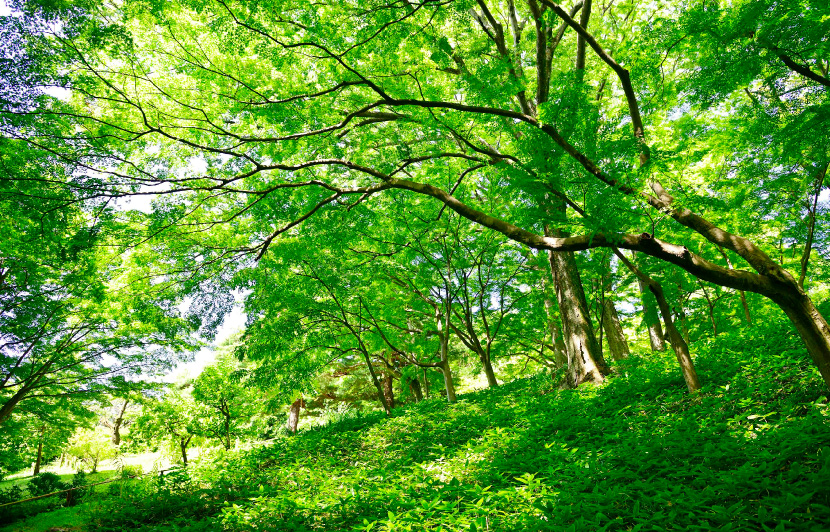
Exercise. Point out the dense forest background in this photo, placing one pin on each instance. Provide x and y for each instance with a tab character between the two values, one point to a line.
504	265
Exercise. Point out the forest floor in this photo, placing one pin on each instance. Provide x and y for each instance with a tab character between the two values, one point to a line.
751	451
106	468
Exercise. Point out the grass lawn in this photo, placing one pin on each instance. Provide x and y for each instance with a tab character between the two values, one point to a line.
47	513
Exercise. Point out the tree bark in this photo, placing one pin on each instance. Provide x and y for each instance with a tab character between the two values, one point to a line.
294	415
681	348
585	362
449	385
811	226
655	333
39	450
375	380
617	344
444	334
679	345
488	370
811	326
560	355
183	443
116	426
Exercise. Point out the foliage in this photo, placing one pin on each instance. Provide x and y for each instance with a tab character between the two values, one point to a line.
44	483
228	399
751	449
169	422
11	494
90	447
79	480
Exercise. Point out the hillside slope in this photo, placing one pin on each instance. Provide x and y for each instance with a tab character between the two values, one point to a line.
751	452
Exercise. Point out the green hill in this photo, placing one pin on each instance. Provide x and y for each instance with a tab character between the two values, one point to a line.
751	452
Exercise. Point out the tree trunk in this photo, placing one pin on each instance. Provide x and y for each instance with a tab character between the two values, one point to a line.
426	383
655	333
11	403
388	391
227	441
116	426
39	450
811	226
617	344
449	385
376	381
488	370
294	415
585	362
444	334
680	347
415	388
183	443
811	325
560	355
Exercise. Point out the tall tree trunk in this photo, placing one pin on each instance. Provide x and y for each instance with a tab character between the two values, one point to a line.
585	362
375	381
426	383
449	385
294	415
415	388
488	370
442	323
183	443
388	391
116	426
679	345
39	450
617	343
681	348
560	355
652	320
811	226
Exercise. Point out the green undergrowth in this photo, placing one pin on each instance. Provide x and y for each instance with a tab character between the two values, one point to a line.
749	452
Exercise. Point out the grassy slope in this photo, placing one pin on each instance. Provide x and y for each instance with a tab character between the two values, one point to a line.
752	452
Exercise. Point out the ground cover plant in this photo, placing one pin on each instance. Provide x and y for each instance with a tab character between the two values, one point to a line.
751	451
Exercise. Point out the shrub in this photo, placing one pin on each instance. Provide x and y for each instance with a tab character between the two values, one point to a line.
130	471
11	494
78	481
44	483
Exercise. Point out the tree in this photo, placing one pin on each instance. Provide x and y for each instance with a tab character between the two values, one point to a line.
119	415
90	447
75	320
171	419
229	399
408	96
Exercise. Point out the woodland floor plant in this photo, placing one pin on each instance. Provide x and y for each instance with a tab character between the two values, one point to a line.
750	451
